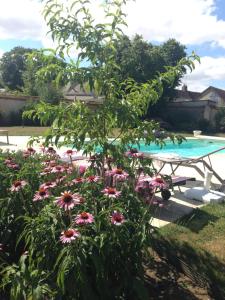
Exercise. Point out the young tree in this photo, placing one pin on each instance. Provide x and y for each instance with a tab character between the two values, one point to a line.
106	262
12	66
125	99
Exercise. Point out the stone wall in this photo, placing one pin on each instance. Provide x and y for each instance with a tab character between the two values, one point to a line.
11	105
195	110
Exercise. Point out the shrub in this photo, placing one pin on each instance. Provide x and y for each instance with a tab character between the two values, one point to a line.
220	119
72	233
204	125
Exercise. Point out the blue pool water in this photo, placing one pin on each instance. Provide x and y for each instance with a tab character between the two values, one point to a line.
189	148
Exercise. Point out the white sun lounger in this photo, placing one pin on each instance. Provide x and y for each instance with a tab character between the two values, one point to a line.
175	162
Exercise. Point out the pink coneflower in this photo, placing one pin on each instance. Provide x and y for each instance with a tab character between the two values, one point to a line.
52	163
69	152
13	166
84	218
58	169
68	200
93	178
31	150
49	163
117	218
9	160
48	185
26	154
158	182
51	150
82	169
142	185
68	169
111	192
78	180
46	171
133	152
18	185
118	174
69	235
60	179
41	194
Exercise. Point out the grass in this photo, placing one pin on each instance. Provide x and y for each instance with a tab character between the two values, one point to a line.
36	131
196	244
25	131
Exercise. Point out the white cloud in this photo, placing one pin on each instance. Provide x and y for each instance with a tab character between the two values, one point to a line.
189	21
211	69
21	20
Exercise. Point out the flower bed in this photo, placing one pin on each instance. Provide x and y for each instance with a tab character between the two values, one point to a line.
74	232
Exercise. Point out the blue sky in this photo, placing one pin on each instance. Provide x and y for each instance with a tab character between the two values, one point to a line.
198	24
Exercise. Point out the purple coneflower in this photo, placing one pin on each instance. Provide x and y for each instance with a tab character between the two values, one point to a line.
13	166
117	218
41	194
93	178
60	179
68	200
69	152
18	185
46	171
82	169
48	185
119	174
84	218
58	169
51	150
158	182
68	169
78	180
69	235
111	192
9	160
133	152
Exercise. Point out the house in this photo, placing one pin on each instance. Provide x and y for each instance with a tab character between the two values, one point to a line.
197	105
77	92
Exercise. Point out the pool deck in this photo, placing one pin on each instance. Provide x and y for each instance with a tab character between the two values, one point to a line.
176	207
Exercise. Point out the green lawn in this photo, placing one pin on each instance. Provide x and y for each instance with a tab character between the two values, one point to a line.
26	131
196	245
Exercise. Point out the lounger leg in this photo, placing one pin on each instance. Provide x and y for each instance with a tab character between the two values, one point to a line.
7	136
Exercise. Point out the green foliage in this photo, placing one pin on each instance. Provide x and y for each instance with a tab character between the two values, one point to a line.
48	90
25	282
12	65
101	263
204	125
105	261
220	119
142	61
125	101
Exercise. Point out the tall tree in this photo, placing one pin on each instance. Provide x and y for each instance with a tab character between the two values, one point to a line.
50	89
12	65
141	60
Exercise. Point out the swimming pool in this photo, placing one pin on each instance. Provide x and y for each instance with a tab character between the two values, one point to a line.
189	148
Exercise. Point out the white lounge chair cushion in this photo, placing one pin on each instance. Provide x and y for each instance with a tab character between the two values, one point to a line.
206	196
